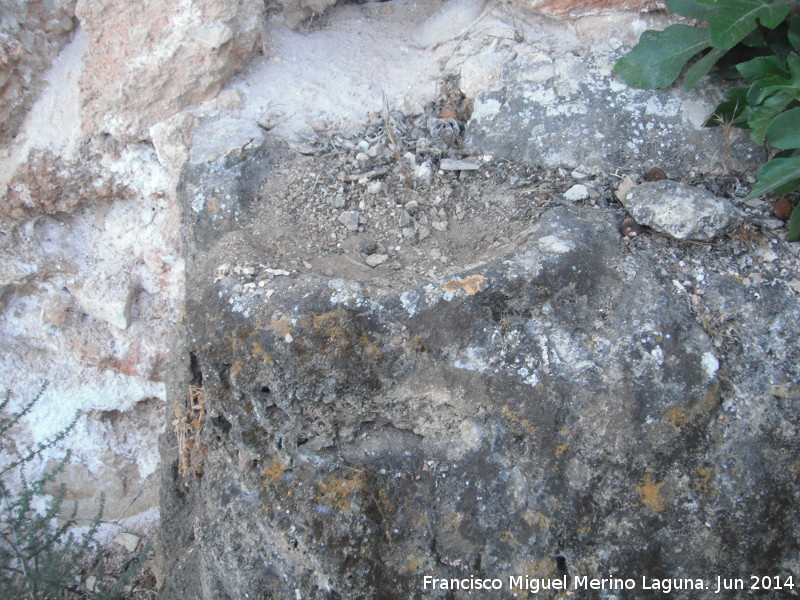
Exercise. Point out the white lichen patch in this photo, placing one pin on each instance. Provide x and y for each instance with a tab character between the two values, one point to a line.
472	360
709	363
487	108
556	245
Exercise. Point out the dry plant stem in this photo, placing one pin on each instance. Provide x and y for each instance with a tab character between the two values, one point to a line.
16	551
188	424
388	126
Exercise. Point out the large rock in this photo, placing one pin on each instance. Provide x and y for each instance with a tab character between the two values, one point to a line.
558	411
90	282
682	211
146	61
31	34
572	111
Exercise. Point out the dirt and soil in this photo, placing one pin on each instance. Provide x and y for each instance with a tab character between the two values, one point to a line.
417	222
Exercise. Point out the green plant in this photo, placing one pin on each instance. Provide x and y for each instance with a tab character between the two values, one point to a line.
41	556
757	41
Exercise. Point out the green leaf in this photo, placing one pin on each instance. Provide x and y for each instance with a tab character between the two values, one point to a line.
755	39
794	32
761	117
701	67
733	109
775	79
794	225
784	130
763	67
781	175
736	19
658	58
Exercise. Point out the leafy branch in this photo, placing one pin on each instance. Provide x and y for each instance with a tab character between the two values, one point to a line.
756	41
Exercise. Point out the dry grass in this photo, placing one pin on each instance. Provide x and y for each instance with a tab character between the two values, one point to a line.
188	423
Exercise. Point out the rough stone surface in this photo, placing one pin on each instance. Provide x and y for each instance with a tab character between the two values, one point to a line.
146	61
452	19
48	184
569	9
556	410
570	110
90	245
90	281
682	211
31	34
479	73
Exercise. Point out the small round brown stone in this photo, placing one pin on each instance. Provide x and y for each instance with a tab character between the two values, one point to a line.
655	174
782	208
629	228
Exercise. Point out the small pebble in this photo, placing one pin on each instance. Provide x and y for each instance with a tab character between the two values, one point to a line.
655	174
630	228
423	174
451	164
373	260
376	187
349	219
782	208
576	193
338	201
410	159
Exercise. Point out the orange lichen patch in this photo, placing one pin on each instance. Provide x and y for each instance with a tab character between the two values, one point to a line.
677	417
509	538
332	322
236	370
472	284
537	568
453	521
383	500
796	468
517	424
542	568
650	491
337	334
413	565
536	518
560	449
337	492
281	327
273	472
419	521
370	347
258	352
704	475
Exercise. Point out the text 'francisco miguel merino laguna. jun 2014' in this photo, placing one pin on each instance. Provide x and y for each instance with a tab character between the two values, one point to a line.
716	584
